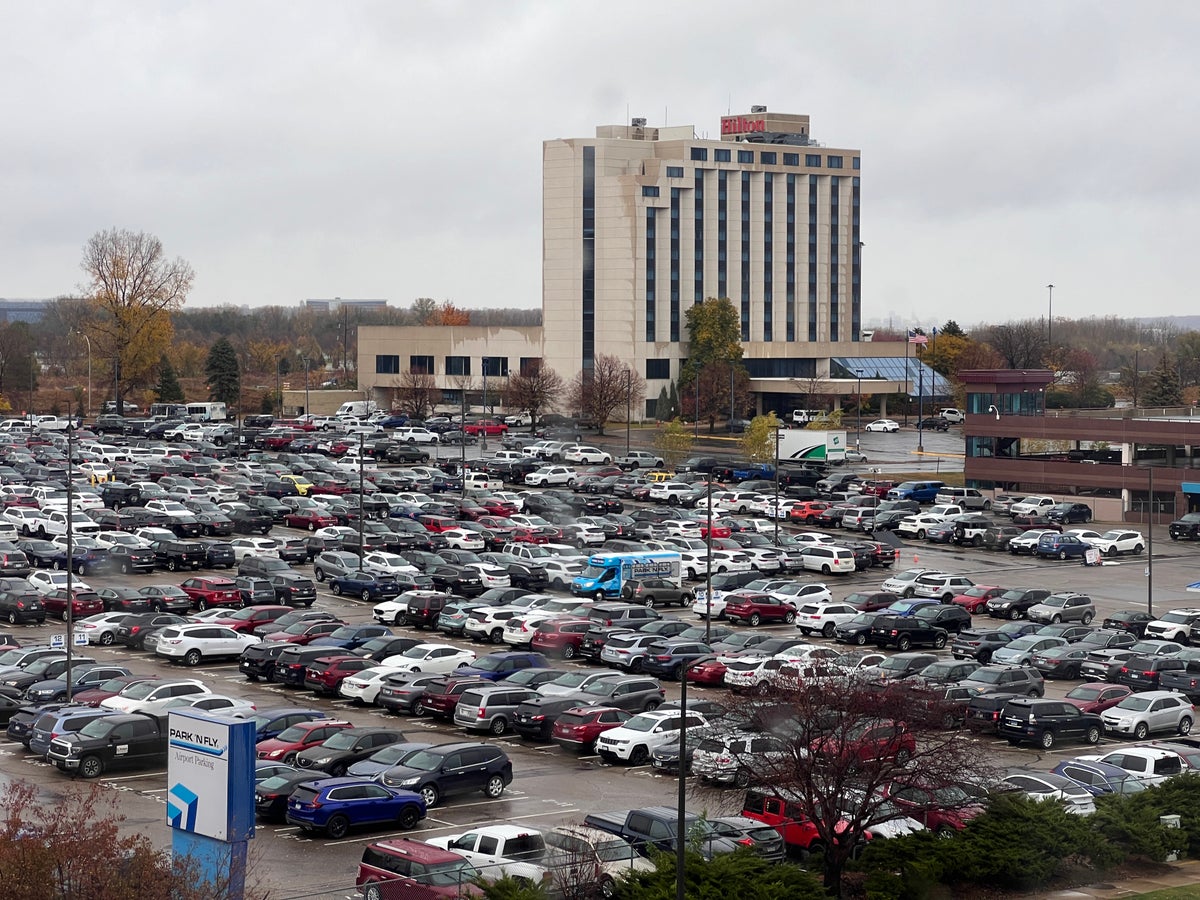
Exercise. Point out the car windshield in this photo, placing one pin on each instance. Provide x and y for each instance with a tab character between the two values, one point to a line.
1176	618
139	691
113	684
293	734
417	652
1086	692
424	760
448	874
392	754
1054	601
641	723
489	663
343	740
1025	643
1135	704
987	676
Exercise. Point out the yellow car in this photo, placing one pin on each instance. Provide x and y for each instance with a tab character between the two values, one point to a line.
303	485
659	477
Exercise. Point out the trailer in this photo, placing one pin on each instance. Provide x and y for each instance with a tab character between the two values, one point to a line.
802	444
207	412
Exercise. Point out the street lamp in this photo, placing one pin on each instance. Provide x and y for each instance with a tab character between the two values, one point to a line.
88	341
1050	318
858	408
278	385
628	406
778	431
483	429
307	408
1137	374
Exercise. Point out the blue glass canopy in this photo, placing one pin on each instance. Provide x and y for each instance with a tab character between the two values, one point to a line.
892	368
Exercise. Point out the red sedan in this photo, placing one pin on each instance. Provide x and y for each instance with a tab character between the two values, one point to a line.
328	485
246	620
304	632
579	726
709	672
560	637
718	530
311	519
1097	696
297	738
976	598
495	507
212	591
524	535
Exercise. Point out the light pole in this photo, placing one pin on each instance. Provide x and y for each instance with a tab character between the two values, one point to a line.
1150	542
1050	319
858	409
88	341
628	406
362	511
307	408
483	429
70	556
278	384
1137	374
778	431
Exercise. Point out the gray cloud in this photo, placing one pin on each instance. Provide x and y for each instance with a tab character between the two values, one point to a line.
290	150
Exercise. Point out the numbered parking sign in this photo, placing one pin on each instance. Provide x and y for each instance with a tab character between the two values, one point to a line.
80	639
58	641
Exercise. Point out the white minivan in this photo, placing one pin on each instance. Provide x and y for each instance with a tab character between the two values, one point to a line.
828	560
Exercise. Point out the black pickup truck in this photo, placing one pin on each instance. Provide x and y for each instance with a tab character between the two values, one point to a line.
176	556
654	826
134	740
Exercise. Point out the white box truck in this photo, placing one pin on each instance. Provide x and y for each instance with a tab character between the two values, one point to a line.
802	444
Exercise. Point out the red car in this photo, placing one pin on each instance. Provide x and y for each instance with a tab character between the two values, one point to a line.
523	534
494	507
110	688
1097	696
326	674
868	741
304	632
83	603
485	426
441	697
328	485
560	637
212	591
298	737
758	608
252	617
974	599
308	518
877	488
578	727
808	510
943	810
884	554
718	531
437	524
710	672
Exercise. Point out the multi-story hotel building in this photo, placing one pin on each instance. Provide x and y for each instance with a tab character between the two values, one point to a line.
639	223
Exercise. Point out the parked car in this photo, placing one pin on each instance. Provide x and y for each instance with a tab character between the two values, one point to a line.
446	770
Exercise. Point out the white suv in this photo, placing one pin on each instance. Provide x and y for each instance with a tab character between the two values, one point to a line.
1032	506
1173	626
195	643
142	694
941	586
580	453
412	435
823	618
551	475
634	740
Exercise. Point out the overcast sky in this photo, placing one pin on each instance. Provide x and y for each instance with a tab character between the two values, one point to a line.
393	149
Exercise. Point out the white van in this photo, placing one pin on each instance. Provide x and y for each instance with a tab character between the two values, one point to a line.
804	416
829	560
357	408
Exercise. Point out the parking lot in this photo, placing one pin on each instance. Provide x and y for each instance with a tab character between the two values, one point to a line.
552	785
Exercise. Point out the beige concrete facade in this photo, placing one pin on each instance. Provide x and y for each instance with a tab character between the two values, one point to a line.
639	223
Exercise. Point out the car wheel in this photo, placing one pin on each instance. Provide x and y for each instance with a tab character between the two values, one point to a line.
90	767
65	615
755	620
1056	620
1087	618
908	593
56	566
1138	548
12	620
860	639
825	570
419	710
789	618
430	794
1014	614
495	787
336	827
920	534
337	589
372	892
192	657
1092	736
1141	731
939	642
568	651
902	756
499	725
1185	725
408	818
742	779
365	595
172	565
1046	740
639	756
904	644
497	636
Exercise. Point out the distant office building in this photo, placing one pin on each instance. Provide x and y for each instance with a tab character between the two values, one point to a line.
338	303
22	310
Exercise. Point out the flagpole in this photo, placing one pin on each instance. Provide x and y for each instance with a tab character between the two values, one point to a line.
907	397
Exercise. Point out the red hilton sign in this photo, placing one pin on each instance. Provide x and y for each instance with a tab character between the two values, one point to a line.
741	125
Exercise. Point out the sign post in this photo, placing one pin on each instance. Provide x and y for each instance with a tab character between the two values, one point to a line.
210	801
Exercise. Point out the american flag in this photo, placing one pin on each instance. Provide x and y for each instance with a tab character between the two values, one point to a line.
914	338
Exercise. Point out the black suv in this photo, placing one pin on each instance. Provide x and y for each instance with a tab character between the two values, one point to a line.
1024	680
1186	528
906	632
265	566
293	589
1015	603
176	556
448	769
1044	722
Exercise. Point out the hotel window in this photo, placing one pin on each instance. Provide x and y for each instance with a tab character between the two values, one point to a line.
791	159
458	365
854	162
745	156
674	171
387	365
649	190
421	364
833	162
721	155
530	365
700	154
812	159
767	159
495	366
658	368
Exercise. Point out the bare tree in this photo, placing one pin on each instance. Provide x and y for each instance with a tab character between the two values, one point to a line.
610	387
1021	344
815	392
534	389
850	742
417	393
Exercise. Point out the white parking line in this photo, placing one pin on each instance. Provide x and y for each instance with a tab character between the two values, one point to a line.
137	776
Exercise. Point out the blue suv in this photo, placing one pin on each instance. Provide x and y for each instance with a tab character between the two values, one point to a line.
498	666
335	805
1062	546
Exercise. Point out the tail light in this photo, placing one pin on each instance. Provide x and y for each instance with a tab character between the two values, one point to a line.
482	713
746	842
1149	673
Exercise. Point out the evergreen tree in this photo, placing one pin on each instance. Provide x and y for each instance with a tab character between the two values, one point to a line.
168	389
222	373
662	407
673	404
1163	389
